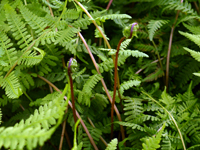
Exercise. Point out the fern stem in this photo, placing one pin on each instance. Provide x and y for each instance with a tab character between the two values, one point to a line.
183	143
77	114
25	2
109	4
100	31
62	135
27	96
115	77
115	85
169	49
72	90
103	83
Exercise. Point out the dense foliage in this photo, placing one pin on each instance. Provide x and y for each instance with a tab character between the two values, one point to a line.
64	64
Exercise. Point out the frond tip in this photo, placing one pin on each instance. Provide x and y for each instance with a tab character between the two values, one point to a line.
112	145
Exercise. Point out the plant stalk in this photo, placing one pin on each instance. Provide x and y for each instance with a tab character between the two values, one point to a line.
169	49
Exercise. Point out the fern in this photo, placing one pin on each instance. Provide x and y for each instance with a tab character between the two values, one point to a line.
112	145
194	38
35	130
153	142
155	25
84	95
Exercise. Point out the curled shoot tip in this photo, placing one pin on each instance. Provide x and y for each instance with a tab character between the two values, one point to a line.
130	30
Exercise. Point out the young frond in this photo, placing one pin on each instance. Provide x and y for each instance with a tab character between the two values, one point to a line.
194	54
155	25
12	86
192	37
71	14
17	27
31	58
112	145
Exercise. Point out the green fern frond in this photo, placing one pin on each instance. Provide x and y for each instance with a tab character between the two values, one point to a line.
155	25
35	130
17	27
184	7
26	80
153	143
192	37
124	44
84	95
56	3
66	35
34	21
4	100
193	29
8	54
194	54
12	86
144	47
71	14
133	108
133	53
112	17
112	145
133	126
98	34
128	84
31	58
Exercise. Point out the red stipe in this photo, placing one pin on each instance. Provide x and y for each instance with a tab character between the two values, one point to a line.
109	4
115	77
72	90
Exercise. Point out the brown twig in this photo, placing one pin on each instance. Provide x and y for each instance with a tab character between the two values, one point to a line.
109	4
77	114
169	48
103	83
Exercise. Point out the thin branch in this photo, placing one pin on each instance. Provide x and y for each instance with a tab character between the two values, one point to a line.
169	48
77	114
155	61
103	83
109	4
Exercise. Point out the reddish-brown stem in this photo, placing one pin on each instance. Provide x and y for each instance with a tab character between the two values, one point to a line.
116	77
77	114
62	135
71	89
103	83
109	4
169	49
115	85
